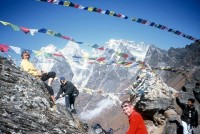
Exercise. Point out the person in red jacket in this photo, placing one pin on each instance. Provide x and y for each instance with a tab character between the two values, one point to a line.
136	122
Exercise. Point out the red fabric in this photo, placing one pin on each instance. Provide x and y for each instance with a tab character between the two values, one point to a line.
137	125
25	30
4	48
56	54
125	56
76	5
101	59
99	10
101	48
119	15
67	38
144	21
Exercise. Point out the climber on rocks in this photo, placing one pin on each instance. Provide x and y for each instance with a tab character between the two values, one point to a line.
70	92
27	66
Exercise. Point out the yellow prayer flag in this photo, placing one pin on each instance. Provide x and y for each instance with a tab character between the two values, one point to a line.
5	23
66	3
111	13
90	8
38	53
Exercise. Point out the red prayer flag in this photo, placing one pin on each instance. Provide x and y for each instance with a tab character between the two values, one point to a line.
101	48
119	15
56	54
76	5
67	38
99	10
101	59
25	30
144	21
4	48
125	56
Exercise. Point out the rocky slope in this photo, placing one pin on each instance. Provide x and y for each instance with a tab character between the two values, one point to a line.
25	106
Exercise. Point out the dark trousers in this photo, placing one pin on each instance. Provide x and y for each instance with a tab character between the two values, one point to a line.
48	75
69	101
45	77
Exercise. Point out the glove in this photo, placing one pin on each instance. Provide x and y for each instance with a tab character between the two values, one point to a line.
75	95
64	95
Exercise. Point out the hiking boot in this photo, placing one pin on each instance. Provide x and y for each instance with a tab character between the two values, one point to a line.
73	111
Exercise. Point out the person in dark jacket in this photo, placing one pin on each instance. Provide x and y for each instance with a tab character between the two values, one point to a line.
196	92
70	92
189	116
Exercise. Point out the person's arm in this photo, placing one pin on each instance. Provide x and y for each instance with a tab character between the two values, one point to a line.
134	123
59	93
75	92
182	105
196	118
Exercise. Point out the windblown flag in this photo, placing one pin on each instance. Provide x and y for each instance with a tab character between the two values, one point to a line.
25	30
124	55
100	59
4	48
16	49
58	54
101	48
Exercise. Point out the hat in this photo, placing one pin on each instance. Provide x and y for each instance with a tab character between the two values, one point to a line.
62	78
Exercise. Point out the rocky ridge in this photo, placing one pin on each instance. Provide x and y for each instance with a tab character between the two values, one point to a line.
25	106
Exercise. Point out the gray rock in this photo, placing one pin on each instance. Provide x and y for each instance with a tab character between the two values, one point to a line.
25	105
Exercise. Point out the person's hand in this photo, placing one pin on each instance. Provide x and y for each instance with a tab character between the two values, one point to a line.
176	94
64	95
75	95
44	72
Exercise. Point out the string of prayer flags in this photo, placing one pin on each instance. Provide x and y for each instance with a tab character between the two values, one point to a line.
112	13
33	31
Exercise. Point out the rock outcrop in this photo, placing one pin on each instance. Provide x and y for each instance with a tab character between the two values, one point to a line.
182	73
25	106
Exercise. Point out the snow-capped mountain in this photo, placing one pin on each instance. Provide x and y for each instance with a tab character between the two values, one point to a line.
106	79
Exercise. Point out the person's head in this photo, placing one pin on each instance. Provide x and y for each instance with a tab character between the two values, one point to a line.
62	80
127	107
25	55
197	85
190	102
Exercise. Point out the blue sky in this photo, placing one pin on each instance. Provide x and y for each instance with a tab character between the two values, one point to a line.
95	28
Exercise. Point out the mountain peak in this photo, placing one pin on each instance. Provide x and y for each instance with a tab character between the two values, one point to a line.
49	49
